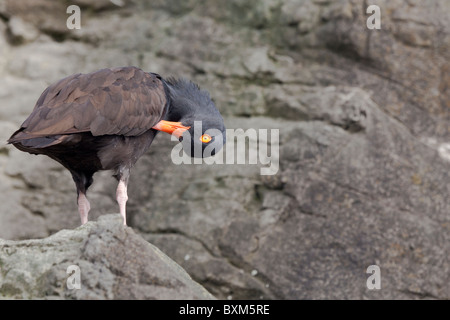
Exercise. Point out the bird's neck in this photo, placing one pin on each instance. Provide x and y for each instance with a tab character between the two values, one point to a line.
177	108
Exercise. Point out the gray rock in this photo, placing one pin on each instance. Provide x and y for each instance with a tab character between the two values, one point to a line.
101	4
4	47
113	263
345	107
46	16
20	31
363	121
218	275
408	52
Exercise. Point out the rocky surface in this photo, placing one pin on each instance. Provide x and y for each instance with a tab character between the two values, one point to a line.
363	118
112	262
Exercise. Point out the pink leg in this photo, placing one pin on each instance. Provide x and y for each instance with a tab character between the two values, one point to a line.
83	207
122	198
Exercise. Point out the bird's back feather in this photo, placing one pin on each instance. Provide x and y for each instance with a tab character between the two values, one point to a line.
121	101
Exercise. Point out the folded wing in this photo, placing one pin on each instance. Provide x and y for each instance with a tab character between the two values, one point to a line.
121	101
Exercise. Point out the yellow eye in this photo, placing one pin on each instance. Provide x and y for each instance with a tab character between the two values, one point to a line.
205	138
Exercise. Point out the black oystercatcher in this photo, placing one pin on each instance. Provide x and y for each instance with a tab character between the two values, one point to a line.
107	119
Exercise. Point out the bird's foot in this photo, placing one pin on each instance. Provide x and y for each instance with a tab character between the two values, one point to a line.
83	207
122	198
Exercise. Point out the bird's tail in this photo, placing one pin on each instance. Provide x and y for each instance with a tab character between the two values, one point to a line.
15	137
26	141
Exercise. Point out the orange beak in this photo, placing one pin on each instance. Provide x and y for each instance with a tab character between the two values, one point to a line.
174	128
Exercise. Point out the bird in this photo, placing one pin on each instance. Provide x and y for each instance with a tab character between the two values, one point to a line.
107	119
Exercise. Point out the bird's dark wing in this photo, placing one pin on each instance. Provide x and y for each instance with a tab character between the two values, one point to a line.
122	101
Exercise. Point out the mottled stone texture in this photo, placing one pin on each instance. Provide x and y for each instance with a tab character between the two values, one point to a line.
113	263
364	134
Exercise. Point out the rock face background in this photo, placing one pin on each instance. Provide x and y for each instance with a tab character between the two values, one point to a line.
364	139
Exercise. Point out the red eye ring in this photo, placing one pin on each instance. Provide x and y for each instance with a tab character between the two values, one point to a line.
205	138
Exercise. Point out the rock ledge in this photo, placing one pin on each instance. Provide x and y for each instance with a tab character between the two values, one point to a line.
114	263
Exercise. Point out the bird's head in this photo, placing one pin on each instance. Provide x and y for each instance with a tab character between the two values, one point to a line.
194	119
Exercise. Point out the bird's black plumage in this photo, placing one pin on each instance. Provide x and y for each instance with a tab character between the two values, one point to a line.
107	119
